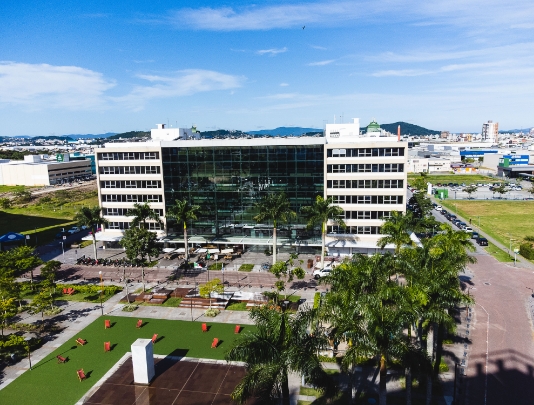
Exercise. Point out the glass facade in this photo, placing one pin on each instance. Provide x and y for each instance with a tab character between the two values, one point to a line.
227	181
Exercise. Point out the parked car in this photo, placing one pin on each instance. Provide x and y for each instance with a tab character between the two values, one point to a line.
439	207
73	230
60	235
320	273
475	235
468	229
482	241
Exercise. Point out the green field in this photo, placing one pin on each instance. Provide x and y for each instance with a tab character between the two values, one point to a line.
501	220
50	383
454	178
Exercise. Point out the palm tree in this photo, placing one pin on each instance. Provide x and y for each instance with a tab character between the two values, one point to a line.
276	208
369	310
322	212
183	211
396	228
90	217
142	212
280	344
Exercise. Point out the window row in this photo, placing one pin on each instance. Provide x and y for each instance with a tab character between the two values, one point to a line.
365	152
131	198
367	199
130	184
124	211
151	226
354	230
128	156
129	170
366	167
365	183
367	214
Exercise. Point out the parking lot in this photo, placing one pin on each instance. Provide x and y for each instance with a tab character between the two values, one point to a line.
514	191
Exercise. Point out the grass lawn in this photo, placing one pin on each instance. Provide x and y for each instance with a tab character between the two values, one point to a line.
246	267
501	220
454	178
50	383
237	306
497	253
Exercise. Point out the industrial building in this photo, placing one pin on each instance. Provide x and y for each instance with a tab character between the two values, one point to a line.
365	174
37	170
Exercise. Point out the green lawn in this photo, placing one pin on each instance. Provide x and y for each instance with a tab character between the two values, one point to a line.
455	178
497	253
50	383
501	220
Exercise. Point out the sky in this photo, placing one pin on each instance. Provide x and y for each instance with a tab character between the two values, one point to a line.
76	67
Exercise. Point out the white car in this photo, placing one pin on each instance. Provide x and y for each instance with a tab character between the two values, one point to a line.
468	229
73	230
320	273
438	207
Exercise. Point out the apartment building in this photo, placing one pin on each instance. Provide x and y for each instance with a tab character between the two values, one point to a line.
364	174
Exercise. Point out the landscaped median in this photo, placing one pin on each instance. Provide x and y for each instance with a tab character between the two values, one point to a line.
53	383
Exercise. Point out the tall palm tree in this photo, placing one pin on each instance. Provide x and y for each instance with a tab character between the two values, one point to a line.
322	212
276	208
280	344
90	217
369	310
141	213
183	211
396	228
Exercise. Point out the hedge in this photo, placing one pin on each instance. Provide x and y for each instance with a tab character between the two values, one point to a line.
90	289
526	251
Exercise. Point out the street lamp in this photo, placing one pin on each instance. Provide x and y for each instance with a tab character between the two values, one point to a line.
27	339
101	290
510	250
515	255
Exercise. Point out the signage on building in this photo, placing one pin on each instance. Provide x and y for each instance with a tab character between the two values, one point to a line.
59	157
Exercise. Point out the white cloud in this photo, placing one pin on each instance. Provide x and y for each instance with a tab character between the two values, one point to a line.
44	86
182	83
322	63
284	84
321	48
272	51
503	66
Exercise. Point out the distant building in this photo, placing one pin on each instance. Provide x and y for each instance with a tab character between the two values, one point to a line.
33	171
162	133
439	165
490	132
417	165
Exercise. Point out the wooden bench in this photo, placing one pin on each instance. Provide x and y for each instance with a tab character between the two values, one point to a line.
61	359
81	374
215	343
81	341
139	323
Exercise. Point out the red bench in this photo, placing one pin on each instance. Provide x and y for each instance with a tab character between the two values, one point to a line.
154	338
107	324
139	323
81	374
81	342
107	346
204	327
237	329
215	343
61	359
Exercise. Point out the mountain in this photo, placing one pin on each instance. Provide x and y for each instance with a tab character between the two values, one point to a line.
129	135
222	133
408	129
286	131
73	136
52	137
515	131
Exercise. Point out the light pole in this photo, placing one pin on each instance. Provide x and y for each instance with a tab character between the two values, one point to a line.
101	290
27	339
510	250
515	256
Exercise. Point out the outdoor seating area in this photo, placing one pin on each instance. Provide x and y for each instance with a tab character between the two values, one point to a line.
68	291
90	361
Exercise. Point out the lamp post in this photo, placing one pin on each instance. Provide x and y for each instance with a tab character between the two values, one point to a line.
27	339
515	256
510	249
101	290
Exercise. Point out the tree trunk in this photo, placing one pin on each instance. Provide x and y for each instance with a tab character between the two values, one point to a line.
274	244
126	284
185	243
323	243
285	391
439	348
94	243
430	341
31	279
420	333
143	276
382	390
428	389
408	374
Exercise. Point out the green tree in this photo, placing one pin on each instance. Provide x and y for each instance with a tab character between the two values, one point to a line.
279	345
8	309
22	196
397	230
322	212
531	190
212	286
15	262
286	273
43	301
470	190
499	189
141	213
90	217
420	183
369	310
275	208
183	211
49	272
5	203
140	245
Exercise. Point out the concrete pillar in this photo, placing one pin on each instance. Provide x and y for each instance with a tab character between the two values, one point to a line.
143	361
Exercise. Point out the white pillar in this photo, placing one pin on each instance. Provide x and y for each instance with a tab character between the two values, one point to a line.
429	188
143	361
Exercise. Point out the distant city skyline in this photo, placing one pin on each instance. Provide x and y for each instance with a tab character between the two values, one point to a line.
71	67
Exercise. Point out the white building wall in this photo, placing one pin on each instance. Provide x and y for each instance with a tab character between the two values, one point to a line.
419	165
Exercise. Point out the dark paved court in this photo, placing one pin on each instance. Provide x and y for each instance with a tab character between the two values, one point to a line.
176	383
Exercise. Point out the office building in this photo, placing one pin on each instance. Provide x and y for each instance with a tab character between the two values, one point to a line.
364	174
490	132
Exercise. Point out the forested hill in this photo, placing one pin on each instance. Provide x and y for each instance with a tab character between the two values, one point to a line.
128	135
408	129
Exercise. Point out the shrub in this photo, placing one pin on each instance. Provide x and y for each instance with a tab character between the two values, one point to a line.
212	312
246	267
129	308
5	203
12	341
316	300
53	311
526	250
215	266
89	289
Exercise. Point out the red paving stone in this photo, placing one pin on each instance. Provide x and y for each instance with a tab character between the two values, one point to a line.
500	291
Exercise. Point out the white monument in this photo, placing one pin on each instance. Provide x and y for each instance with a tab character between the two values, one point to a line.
143	361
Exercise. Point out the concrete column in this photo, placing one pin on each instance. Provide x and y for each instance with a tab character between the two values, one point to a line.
143	361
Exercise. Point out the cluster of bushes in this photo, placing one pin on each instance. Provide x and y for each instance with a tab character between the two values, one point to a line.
91	289
526	250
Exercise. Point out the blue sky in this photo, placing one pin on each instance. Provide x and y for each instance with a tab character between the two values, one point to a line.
114	66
